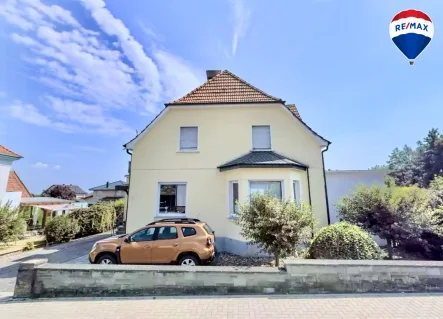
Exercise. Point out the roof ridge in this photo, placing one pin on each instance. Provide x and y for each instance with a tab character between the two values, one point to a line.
255	88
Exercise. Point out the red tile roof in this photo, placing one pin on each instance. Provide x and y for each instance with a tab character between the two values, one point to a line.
293	109
8	152
227	88
15	184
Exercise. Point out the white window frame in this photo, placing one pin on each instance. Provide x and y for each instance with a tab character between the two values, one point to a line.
231	196
282	185
252	138
188	150
296	191
157	202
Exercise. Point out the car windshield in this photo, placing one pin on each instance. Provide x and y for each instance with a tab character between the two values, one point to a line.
208	229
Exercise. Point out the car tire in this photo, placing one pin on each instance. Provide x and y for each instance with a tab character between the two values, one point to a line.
107	259
189	260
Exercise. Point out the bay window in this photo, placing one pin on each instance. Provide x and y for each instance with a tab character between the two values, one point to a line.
274	188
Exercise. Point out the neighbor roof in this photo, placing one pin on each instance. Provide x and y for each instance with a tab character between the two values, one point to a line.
107	186
227	88
8	152
76	189
259	159
15	184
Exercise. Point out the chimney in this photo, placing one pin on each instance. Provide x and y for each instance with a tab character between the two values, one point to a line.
107	184
211	73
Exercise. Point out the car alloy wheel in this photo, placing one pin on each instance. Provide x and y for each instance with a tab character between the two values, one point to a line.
188	262
106	261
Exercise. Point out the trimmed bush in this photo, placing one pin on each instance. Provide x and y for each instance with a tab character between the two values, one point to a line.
119	206
94	220
343	241
61	229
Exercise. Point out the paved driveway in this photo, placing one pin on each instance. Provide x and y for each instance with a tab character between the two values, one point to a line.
73	252
214	307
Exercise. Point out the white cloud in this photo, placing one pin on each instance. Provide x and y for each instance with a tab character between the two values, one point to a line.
57	167
40	165
89	77
241	15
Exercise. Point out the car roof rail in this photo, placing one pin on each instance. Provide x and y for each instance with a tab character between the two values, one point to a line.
176	221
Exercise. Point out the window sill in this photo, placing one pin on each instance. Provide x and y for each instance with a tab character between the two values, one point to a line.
171	215
231	217
261	150
188	151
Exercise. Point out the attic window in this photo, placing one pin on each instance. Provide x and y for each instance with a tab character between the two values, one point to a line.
189	138
261	137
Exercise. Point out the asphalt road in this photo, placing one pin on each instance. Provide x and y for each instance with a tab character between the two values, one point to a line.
74	251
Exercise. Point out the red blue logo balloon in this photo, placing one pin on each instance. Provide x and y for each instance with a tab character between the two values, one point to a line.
411	30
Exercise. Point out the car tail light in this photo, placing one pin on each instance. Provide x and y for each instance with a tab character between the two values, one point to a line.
208	241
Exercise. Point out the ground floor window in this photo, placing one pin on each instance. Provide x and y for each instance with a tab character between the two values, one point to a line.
296	186
172	198
262	187
233	197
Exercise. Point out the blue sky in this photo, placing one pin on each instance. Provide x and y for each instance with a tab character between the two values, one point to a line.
80	77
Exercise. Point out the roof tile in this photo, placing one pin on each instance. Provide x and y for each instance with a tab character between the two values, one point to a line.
15	184
8	152
226	87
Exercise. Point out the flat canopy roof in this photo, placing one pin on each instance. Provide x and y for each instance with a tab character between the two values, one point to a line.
32	201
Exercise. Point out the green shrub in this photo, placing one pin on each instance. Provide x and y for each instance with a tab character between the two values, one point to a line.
12	224
29	246
343	241
119	206
95	219
61	229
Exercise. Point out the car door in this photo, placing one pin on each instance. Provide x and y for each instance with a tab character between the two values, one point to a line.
137	248
166	245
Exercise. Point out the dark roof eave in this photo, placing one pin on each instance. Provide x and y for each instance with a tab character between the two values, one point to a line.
224	103
236	166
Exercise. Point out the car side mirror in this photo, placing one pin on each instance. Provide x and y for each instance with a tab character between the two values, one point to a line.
127	240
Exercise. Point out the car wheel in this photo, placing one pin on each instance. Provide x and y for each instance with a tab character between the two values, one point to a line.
106	260
188	260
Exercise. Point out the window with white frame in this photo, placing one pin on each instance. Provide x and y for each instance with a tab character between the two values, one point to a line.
189	138
270	187
261	137
296	187
172	198
233	197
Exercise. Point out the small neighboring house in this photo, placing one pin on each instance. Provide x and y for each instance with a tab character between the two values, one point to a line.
12	188
221	143
79	193
106	192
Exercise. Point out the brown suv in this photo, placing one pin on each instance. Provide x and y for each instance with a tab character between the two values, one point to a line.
183	241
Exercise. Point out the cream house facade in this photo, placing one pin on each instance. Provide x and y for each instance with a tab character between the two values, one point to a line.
216	145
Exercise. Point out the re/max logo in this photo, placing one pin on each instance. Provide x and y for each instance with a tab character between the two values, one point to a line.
413	25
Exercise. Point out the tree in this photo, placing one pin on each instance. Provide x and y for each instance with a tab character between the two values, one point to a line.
61	191
377	167
397	214
277	226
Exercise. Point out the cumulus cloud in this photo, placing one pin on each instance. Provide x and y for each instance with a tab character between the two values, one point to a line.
40	165
88	77
241	15
57	167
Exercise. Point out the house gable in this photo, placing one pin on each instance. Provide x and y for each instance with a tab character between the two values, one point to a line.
226	90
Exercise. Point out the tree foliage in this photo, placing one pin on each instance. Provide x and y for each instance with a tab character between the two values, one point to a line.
277	226
95	219
396	213
418	166
12	224
60	191
343	241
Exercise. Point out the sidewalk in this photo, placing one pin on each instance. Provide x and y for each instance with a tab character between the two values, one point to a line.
304	306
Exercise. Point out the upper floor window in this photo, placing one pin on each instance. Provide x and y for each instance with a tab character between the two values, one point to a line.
261	137
188	138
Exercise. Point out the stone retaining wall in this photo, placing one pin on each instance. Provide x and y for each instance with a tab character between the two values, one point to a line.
37	279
